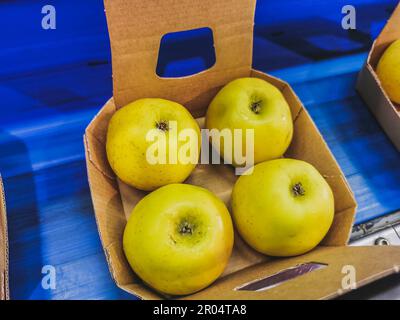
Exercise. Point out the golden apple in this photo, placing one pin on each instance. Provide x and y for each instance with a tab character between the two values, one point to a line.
147	143
178	239
252	103
388	71
284	208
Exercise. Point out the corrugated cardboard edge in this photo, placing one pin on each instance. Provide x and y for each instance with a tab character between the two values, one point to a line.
4	289
370	88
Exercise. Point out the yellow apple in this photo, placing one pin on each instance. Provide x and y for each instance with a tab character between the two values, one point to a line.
134	133
388	71
284	208
179	238
252	103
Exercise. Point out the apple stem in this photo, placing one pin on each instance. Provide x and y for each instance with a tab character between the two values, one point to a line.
162	125
298	190
256	106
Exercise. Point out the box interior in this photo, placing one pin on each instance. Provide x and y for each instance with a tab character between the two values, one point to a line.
115	200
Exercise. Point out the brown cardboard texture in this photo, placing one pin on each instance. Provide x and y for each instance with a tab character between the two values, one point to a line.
4	295
368	85
135	29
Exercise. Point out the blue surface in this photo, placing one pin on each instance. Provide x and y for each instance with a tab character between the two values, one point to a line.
52	82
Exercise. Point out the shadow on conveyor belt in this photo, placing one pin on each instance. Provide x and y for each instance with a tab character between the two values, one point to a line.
316	37
22	212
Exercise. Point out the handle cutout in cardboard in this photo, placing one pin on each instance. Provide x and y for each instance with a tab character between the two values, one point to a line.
185	53
136	28
281	277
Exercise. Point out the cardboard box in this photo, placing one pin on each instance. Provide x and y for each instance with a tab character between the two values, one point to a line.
135	29
368	85
4	294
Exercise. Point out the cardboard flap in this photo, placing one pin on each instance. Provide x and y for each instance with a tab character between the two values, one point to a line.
389	34
136	28
3	247
341	266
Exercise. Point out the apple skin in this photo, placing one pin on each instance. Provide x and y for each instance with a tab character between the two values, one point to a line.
276	220
388	71
163	255
272	121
